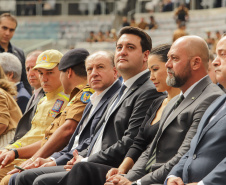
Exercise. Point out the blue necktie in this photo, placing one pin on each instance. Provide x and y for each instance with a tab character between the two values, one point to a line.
122	89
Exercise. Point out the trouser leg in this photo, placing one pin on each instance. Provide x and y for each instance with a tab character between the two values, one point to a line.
28	177
86	173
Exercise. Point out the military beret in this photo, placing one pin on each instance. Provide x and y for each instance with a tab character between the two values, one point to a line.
72	58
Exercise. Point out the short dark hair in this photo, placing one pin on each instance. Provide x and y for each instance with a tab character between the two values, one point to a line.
8	16
79	70
146	42
161	51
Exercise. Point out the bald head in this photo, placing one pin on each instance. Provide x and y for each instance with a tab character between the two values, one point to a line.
195	46
187	62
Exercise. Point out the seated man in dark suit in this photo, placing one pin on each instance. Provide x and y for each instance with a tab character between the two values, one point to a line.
24	124
120	123
13	69
205	162
187	69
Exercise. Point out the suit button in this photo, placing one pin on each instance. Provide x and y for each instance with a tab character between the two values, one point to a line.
194	156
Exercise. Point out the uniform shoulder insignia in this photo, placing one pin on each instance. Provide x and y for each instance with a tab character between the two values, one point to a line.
88	90
85	96
57	105
42	99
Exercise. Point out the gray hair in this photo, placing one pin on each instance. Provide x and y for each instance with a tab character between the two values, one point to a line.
107	54
35	53
11	64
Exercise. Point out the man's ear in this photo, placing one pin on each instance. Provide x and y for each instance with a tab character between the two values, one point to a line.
146	54
69	72
10	75
195	63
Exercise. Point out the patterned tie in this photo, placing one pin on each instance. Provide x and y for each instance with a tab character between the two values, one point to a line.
151	161
122	89
178	101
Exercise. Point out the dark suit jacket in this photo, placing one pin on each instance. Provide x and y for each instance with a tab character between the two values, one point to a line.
124	121
20	54
175	132
24	125
23	97
66	154
206	159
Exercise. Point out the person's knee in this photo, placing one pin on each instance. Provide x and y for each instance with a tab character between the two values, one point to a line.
21	177
82	166
38	181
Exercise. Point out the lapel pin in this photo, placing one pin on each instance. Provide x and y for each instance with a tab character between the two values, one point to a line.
193	98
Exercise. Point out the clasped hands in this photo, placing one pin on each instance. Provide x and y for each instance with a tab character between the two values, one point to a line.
76	158
114	177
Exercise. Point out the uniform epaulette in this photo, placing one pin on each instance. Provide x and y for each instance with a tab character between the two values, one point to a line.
88	90
42	99
63	95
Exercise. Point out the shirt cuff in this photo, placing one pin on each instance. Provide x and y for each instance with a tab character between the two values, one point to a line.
201	183
53	159
139	182
84	159
165	183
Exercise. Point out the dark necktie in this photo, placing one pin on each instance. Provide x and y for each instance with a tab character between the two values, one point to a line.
151	161
181	98
122	89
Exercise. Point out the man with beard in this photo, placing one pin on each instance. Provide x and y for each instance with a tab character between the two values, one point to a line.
205	161
187	69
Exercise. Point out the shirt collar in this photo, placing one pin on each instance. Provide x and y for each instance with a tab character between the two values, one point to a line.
36	91
76	89
10	48
186	93
130	81
95	99
50	95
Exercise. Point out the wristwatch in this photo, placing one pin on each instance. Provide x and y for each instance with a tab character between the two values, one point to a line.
134	183
16	152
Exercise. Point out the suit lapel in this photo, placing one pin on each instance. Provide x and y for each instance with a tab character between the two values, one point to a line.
140	81
107	95
85	114
192	96
167	111
205	125
133	88
128	93
184	104
32	103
